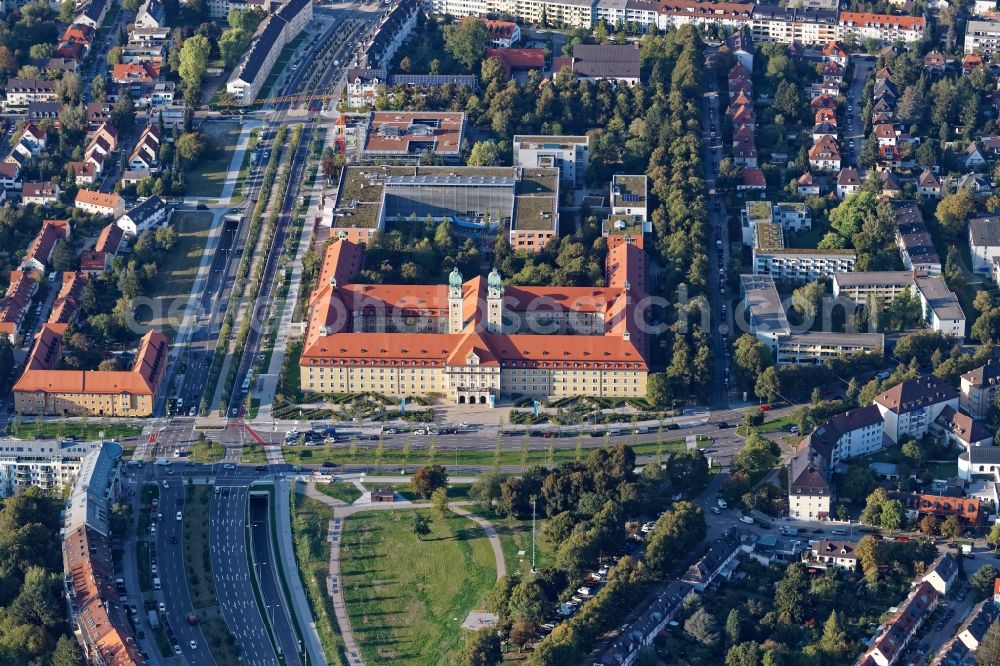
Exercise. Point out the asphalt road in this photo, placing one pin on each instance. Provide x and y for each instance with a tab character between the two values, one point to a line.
854	128
174	593
267	577
718	241
230	566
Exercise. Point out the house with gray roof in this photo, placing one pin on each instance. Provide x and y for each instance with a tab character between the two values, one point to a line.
984	242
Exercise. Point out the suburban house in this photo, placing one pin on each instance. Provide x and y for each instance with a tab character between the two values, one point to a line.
719	562
810	487
68	300
145	155
978	622
44	243
827	553
911	407
848	182
942	574
40	193
100	203
959	430
928	184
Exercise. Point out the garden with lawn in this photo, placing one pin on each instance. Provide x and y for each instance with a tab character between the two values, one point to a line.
407	596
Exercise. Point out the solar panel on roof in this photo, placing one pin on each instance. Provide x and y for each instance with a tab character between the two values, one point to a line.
631	197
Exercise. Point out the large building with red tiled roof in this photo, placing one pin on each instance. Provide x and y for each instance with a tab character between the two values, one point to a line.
476	341
44	388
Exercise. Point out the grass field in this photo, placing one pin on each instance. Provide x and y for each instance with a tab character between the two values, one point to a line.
405	601
237	197
310	522
198	571
566	449
207	452
206	178
56	429
515	536
175	277
345	492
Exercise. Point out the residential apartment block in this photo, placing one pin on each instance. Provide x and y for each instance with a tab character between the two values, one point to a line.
45	389
915	244
277	30
51	465
939	305
978	389
771	257
475	341
911	407
982	37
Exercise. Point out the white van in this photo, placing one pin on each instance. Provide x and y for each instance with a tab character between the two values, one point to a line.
746	519
156	583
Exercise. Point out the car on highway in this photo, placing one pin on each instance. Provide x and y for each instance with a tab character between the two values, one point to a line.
229	466
194	646
162	606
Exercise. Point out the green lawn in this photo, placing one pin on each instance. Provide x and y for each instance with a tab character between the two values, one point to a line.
252	454
893	454
85	431
207	452
407	598
559	450
237	196
310	524
198	571
515	536
206	178
175	277
345	492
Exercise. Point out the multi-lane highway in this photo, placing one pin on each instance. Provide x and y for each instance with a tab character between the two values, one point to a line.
230	567
267	577
187	639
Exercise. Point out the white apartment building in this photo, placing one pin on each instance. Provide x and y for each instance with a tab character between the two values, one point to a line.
810	490
771	257
814	347
849	435
982	37
862	286
569	154
46	464
884	28
978	389
911	407
984	242
278	29
941	309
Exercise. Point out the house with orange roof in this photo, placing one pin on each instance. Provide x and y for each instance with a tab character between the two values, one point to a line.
67	303
100	203
503	34
836	52
16	302
825	154
44	388
476	341
135	72
44	243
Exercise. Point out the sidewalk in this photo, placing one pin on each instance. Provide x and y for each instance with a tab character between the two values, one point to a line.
234	165
268	381
290	569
